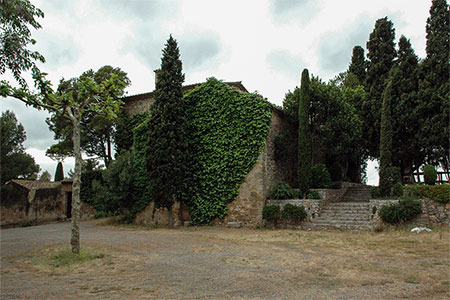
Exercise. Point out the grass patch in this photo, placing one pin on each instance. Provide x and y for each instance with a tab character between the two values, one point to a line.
57	260
65	257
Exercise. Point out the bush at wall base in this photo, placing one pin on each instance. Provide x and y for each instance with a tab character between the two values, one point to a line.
293	213
405	210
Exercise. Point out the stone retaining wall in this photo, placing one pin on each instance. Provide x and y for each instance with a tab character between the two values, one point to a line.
434	213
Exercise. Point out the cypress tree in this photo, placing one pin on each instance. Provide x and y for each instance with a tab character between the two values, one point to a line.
381	53
386	167
406	152
358	64
59	173
435	86
166	152
304	135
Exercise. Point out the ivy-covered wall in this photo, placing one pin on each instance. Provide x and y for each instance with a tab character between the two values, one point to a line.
229	132
232	158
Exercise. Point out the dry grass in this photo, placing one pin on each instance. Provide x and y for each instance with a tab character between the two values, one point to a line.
354	259
395	263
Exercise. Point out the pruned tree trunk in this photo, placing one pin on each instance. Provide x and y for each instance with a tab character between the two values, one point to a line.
75	237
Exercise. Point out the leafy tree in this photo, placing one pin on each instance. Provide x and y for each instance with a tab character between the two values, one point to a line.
358	64
101	98
97	130
15	36
304	134
290	103
167	144
59	173
45	176
435	86
381	53
386	166
14	162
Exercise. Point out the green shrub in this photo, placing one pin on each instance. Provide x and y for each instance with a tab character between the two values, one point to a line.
429	174
281	191
293	213
439	193
405	210
398	190
375	192
87	193
271	212
313	195
320	176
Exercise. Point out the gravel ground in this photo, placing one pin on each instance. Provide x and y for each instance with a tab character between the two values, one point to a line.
186	263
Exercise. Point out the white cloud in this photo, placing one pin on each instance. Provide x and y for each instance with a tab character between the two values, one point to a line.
266	44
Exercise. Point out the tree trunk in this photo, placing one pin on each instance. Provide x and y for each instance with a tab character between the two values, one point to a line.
75	237
108	146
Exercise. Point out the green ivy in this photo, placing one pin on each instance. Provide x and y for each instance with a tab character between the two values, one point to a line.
123	137
141	183
229	132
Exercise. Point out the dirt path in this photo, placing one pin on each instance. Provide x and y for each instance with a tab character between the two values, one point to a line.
191	263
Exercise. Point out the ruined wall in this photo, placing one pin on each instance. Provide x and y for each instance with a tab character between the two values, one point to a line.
248	205
33	205
22	206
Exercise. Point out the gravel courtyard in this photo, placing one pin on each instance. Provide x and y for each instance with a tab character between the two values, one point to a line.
223	263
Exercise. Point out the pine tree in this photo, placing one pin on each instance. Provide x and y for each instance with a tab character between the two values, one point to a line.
358	64
435	86
167	145
406	152
381	53
59	174
386	167
304	135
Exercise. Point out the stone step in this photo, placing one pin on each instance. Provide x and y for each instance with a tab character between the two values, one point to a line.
351	227
343	217
340	222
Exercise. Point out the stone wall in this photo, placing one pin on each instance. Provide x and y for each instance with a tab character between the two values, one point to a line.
248	205
137	104
22	206
33	202
312	206
434	213
152	216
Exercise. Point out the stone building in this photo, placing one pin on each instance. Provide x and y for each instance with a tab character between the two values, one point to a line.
247	208
141	102
27	202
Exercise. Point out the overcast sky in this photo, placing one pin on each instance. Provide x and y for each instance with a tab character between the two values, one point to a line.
263	43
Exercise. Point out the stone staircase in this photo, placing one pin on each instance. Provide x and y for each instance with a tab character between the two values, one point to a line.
357	193
349	215
352	212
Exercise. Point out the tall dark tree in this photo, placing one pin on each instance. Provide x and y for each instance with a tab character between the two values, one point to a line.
14	162
358	64
386	167
167	144
435	86
406	149
304	134
59	174
381	53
